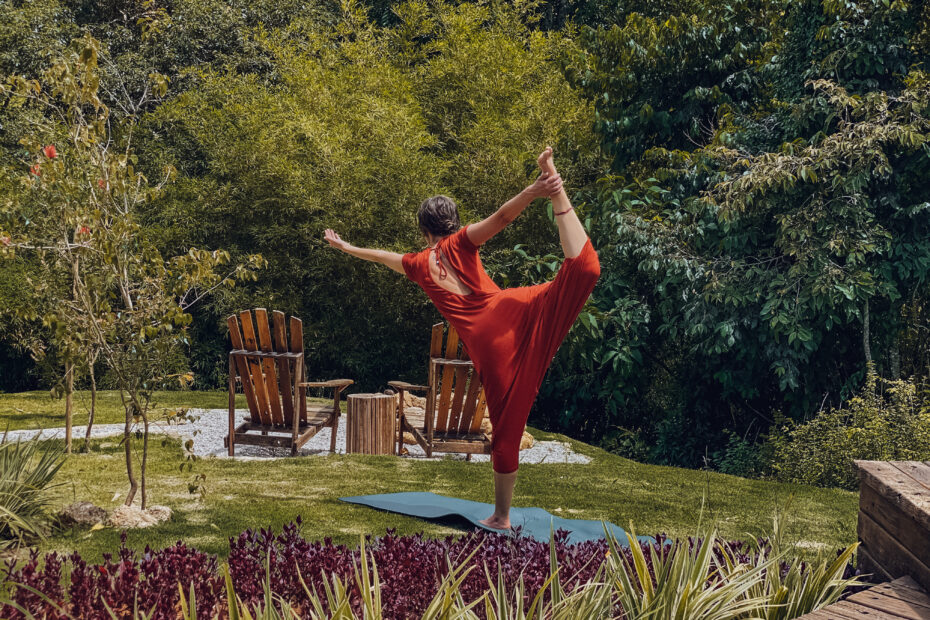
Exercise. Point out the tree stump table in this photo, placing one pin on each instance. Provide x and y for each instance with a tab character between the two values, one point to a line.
371	424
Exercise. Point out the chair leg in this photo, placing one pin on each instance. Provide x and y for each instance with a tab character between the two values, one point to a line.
400	423
294	432
231	438
334	425
297	414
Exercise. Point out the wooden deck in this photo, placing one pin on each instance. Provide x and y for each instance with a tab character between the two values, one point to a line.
902	598
894	532
894	520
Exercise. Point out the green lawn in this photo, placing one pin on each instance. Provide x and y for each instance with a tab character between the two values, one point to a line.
40	410
243	494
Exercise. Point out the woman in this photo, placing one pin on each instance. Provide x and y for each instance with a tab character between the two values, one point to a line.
511	335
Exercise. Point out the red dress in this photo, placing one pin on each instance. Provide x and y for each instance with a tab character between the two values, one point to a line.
511	335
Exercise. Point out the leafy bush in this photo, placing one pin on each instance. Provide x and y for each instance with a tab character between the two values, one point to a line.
26	472
280	572
740	457
886	421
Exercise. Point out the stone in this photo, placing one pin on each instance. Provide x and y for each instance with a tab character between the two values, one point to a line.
161	513
409	399
130	517
82	513
414	401
526	441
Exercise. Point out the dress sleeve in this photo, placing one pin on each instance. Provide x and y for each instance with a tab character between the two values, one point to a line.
412	266
462	241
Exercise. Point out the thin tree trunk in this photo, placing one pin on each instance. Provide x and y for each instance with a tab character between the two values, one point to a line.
127	440
145	454
69	367
93	403
895	361
69	403
865	334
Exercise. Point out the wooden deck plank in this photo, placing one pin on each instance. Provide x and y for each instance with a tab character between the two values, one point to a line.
898	524
877	595
899	599
890	605
905	588
821	614
918	470
891	554
908	582
854	610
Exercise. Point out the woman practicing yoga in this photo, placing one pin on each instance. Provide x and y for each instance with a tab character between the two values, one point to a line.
511	335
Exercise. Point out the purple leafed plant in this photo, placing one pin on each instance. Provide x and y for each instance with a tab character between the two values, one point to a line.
410	569
148	583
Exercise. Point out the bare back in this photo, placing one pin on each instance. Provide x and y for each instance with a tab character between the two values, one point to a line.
446	278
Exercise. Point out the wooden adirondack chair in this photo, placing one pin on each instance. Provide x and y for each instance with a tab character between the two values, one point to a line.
271	371
455	404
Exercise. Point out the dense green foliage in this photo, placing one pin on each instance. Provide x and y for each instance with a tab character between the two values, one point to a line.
753	177
882	423
766	244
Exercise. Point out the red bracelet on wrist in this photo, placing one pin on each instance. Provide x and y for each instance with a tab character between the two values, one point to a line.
565	211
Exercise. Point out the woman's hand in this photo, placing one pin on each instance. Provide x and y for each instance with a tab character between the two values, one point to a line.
335	240
546	185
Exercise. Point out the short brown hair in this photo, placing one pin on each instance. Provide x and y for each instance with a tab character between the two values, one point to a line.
438	216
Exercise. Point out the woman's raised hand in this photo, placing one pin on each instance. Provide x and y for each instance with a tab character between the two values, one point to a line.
547	185
335	240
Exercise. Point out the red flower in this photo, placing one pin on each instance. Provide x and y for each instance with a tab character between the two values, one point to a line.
50	151
35	170
100	183
83	230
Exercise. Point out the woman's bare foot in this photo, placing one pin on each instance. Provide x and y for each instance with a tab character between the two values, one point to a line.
545	161
496	523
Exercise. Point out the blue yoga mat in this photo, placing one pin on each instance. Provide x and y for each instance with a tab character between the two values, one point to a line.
534	522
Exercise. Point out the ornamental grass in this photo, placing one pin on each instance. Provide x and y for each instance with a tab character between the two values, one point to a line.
474	575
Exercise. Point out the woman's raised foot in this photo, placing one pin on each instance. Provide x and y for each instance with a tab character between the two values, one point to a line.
545	161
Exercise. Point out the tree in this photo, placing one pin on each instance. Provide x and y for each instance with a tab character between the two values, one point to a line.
760	266
361	125
76	209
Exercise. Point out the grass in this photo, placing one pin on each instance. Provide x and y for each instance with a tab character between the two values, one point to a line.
31	410
256	494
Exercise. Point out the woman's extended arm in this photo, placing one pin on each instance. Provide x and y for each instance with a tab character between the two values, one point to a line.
389	259
545	185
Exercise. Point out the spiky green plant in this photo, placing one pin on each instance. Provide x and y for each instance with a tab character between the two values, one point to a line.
677	583
805	587
27	469
685	582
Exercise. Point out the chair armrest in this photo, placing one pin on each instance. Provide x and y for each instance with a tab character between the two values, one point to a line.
409	387
332	383
442	361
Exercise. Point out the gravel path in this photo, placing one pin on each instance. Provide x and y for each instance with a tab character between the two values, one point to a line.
211	425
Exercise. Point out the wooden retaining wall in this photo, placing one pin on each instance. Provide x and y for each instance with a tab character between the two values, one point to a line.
894	519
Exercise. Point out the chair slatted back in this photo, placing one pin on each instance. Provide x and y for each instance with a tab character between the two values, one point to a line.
456	398
270	383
